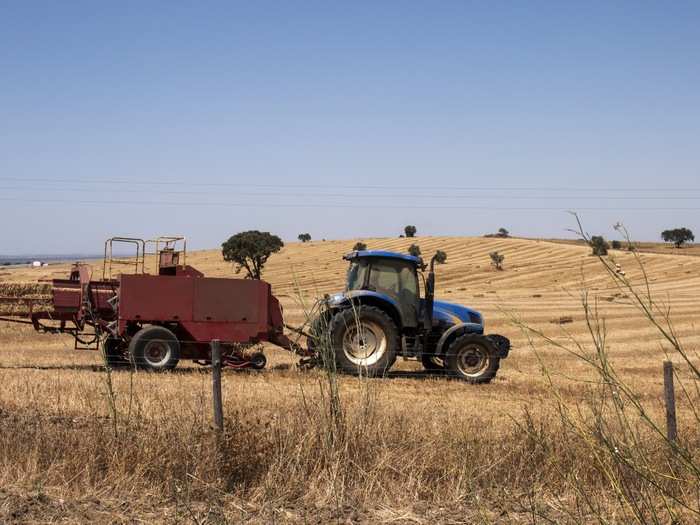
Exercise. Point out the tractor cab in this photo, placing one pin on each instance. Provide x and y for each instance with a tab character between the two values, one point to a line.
389	276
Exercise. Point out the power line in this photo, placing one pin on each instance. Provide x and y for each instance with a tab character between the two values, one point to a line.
356	195
336	186
338	206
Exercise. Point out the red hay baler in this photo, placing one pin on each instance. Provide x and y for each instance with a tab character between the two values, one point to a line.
152	320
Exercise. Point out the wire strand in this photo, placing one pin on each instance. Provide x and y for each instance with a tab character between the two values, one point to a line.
379	206
363	196
333	186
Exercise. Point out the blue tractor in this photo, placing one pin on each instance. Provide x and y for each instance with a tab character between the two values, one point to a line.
381	316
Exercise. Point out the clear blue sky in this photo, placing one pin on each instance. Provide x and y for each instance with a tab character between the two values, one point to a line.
396	109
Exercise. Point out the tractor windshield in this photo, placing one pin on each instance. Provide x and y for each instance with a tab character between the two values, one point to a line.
395	278
357	274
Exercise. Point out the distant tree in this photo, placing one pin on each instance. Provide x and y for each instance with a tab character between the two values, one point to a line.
678	236
410	231
414	250
440	257
250	250
497	260
359	246
616	245
599	245
304	237
502	233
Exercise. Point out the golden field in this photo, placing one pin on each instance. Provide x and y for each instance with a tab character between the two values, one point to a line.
406	449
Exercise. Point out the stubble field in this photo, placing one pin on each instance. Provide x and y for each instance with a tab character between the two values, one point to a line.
405	449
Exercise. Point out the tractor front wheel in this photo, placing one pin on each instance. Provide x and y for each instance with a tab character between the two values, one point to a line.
154	348
473	358
364	341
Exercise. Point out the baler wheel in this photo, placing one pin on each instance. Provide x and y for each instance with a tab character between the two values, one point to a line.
114	353
154	348
258	361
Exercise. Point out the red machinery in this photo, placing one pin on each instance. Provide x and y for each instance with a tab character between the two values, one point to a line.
154	320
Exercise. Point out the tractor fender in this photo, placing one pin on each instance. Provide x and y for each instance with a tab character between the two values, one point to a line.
369	298
455	331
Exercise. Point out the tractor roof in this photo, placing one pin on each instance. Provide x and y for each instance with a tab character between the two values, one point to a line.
383	255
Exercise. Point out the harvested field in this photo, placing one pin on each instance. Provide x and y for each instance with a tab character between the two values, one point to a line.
405	449
692	249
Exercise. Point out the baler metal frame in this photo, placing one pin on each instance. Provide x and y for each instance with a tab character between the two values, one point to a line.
165	243
177	300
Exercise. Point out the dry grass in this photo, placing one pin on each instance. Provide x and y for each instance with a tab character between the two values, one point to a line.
405	449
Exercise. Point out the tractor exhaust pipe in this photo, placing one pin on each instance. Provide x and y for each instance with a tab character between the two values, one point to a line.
440	257
429	299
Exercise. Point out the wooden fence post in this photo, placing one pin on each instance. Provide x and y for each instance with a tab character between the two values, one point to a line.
216	384
670	397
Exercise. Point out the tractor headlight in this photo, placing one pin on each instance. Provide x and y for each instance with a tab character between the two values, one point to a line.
336	298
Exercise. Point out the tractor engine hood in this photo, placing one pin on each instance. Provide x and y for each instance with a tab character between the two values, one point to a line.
450	313
443	312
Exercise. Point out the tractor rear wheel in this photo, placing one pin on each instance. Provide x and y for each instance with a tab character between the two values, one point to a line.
114	352
154	348
473	358
364	341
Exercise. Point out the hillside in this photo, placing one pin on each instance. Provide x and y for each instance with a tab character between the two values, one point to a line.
541	283
665	248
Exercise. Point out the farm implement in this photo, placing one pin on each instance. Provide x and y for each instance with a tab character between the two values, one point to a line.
153	320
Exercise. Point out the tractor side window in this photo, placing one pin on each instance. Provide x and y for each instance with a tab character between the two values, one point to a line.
356	275
398	280
409	282
384	277
408	297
